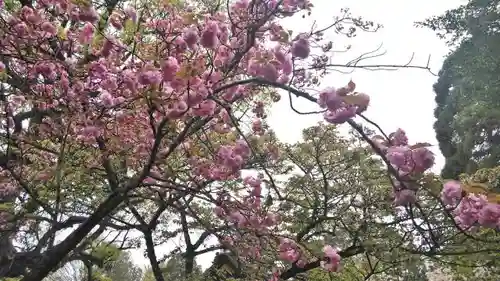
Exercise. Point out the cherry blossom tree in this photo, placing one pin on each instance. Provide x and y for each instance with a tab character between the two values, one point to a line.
138	116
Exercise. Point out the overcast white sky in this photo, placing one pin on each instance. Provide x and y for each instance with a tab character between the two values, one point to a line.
401	98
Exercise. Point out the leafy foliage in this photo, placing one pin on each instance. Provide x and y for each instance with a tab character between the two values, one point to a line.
123	269
467	112
174	269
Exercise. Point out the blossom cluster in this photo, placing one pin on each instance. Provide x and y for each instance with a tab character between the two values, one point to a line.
342	104
246	213
470	210
408	161
251	215
8	189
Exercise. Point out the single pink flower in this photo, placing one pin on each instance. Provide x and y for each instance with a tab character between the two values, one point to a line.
451	193
331	261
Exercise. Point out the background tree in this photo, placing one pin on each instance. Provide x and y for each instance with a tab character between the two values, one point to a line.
173	269
123	268
225	266
467	109
116	267
340	190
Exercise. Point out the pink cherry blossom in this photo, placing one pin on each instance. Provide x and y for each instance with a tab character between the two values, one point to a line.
191	37
209	35
170	68
399	138
331	261
300	48
489	216
404	197
451	193
49	28
468	211
340	115
328	98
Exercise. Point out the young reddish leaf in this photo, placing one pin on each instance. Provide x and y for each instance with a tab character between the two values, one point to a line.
361	100
420	144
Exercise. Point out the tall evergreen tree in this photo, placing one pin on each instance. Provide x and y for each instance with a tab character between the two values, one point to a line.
468	107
